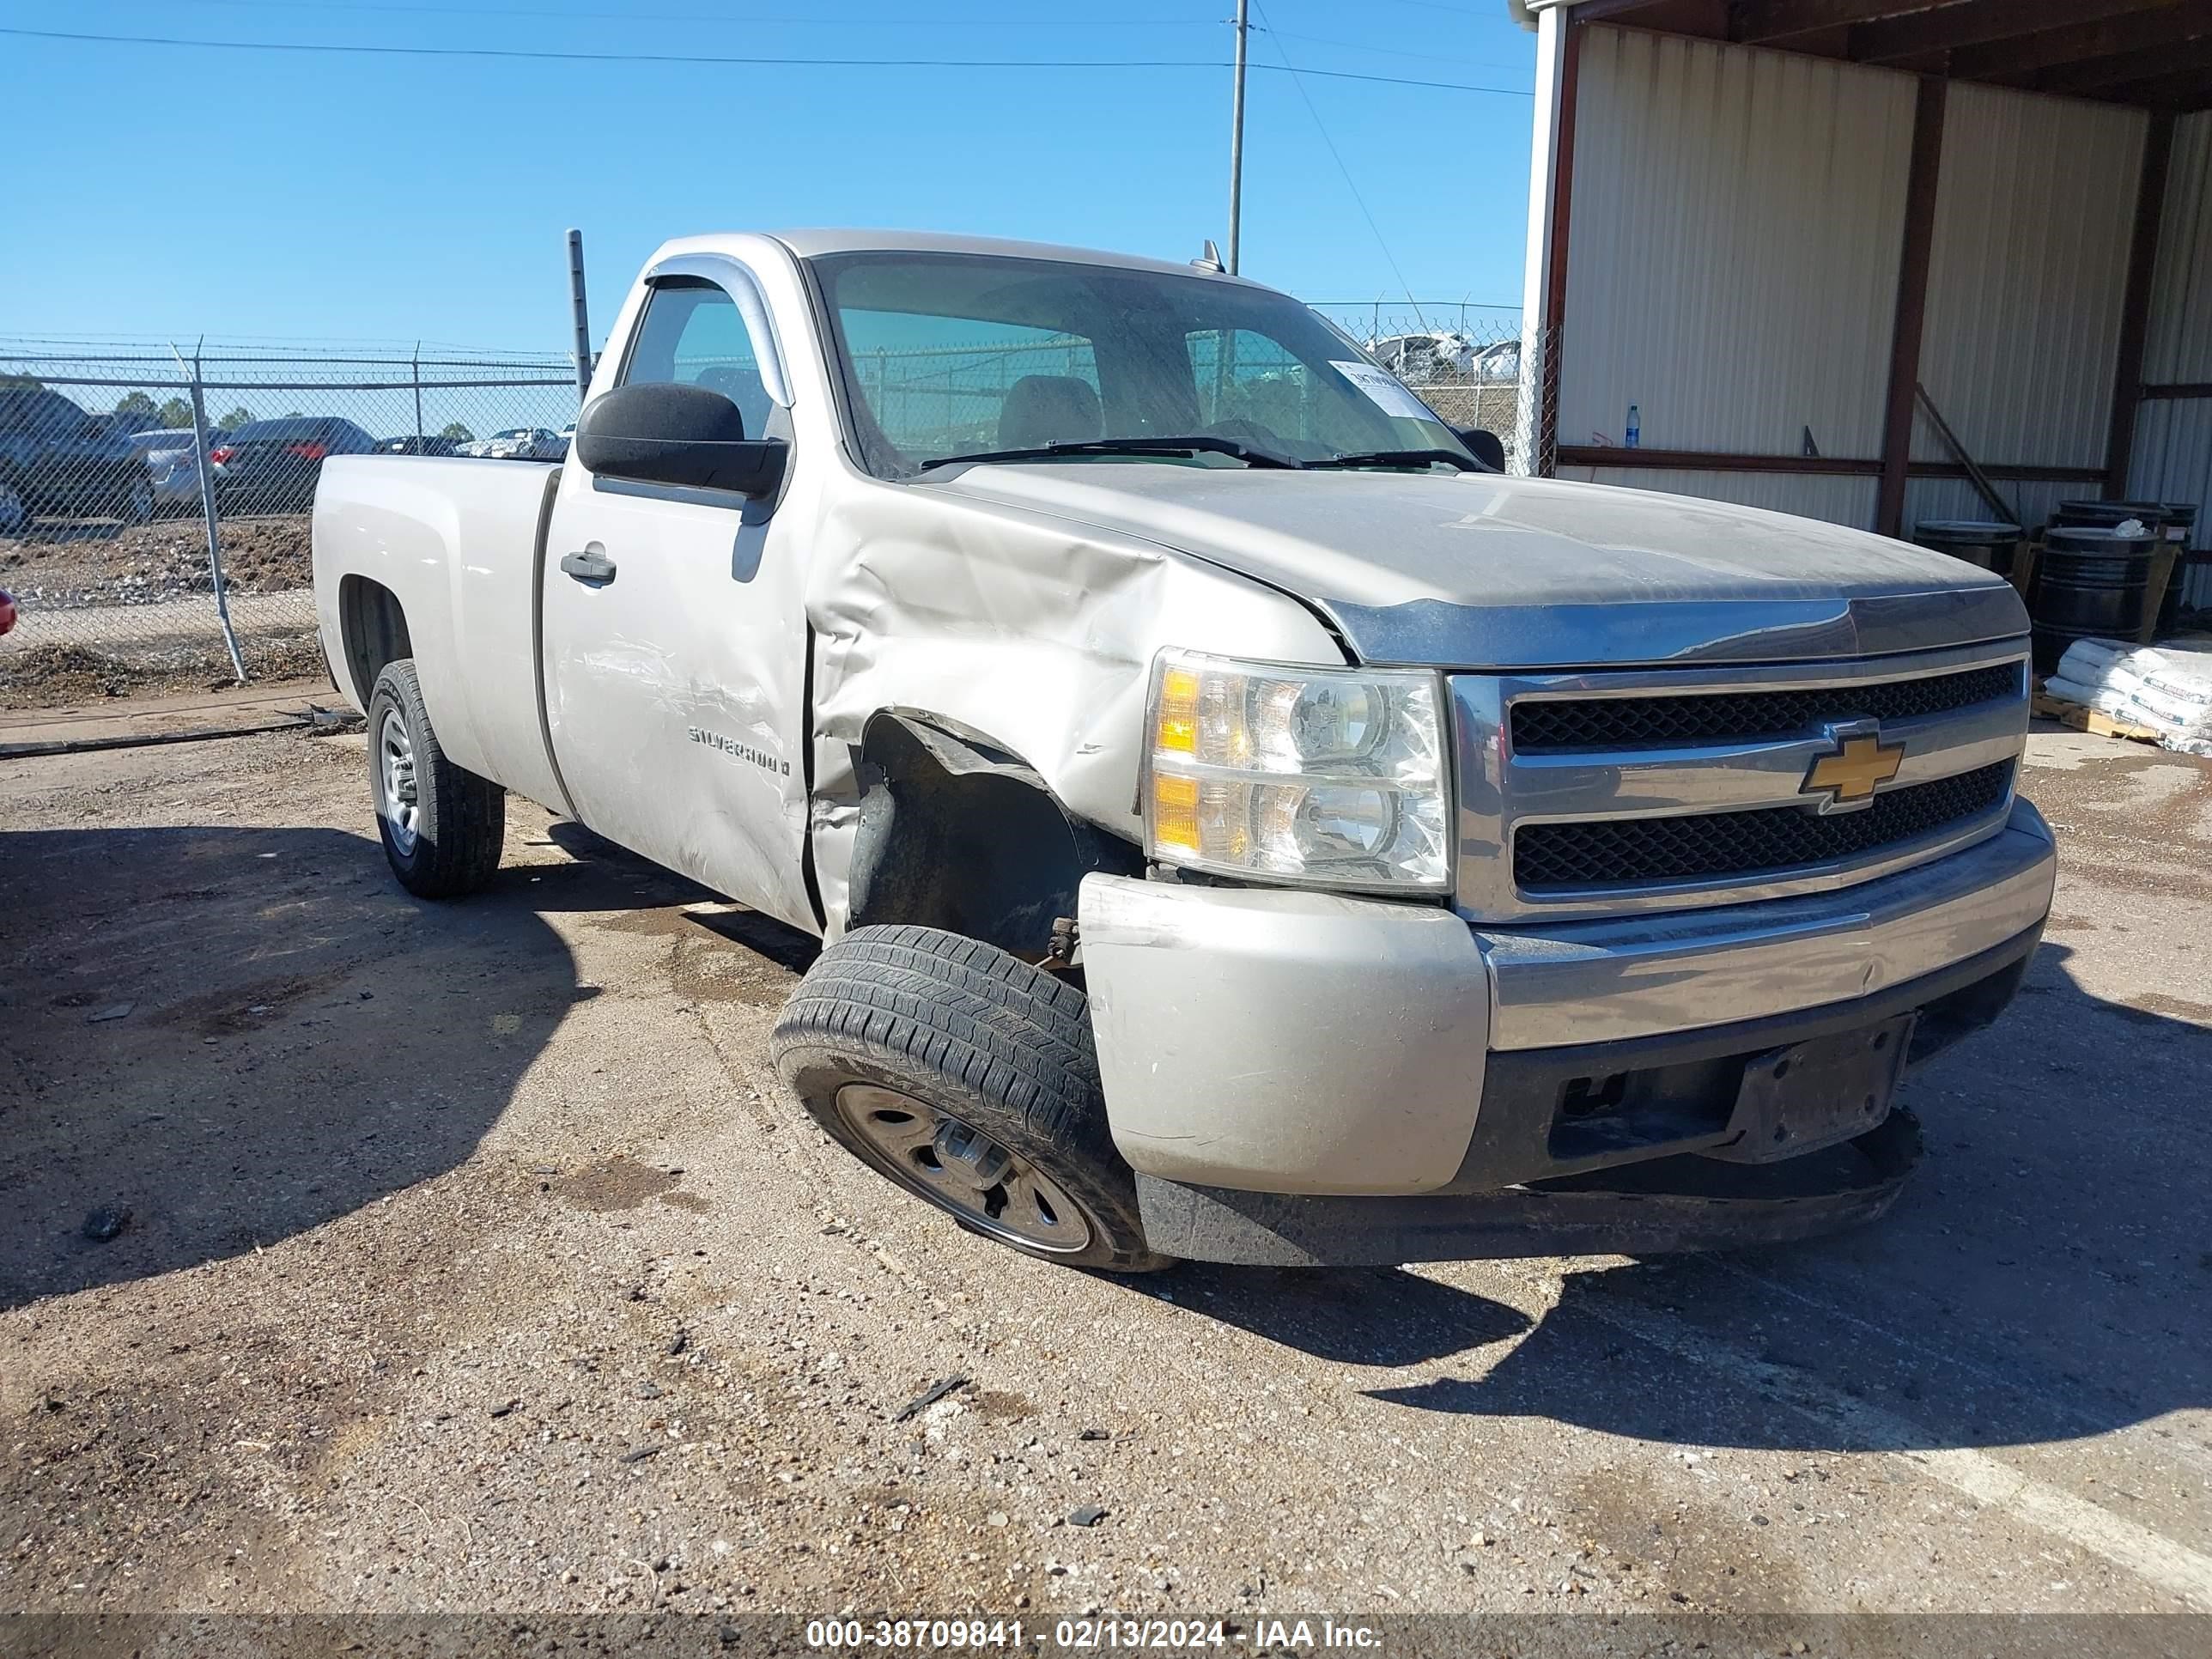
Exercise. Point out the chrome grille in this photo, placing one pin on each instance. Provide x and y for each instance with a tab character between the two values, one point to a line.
1618	852
1539	725
1623	790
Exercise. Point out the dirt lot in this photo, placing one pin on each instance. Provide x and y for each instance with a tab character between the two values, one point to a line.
470	1259
67	565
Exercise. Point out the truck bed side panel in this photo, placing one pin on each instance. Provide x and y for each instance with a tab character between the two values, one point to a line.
457	542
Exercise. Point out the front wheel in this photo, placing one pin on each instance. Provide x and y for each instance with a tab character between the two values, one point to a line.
968	1077
441	826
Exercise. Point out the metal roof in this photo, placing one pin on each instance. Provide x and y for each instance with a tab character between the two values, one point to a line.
2150	54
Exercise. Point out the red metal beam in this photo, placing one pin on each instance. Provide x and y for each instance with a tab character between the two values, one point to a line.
2026	54
1983	23
2135	305
1759	20
2176	95
2158	63
1604	457
1925	171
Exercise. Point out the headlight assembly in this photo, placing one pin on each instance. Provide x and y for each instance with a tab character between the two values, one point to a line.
1330	776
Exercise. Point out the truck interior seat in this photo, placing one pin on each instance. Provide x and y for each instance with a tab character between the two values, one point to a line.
1049	408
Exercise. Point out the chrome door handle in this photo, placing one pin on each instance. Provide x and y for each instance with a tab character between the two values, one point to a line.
589	566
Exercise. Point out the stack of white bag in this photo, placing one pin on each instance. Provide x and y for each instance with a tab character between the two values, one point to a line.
2168	689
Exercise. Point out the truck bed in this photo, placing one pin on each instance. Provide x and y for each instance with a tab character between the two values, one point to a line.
460	543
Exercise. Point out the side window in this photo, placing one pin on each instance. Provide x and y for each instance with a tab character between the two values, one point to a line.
694	334
949	385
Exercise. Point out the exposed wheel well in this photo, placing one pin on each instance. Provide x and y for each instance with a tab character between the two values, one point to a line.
373	626
958	834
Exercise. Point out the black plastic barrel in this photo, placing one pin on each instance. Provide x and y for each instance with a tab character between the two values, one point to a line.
2181	532
1988	544
2090	584
2107	515
2174	523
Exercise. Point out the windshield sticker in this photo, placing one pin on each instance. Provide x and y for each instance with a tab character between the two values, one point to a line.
1383	390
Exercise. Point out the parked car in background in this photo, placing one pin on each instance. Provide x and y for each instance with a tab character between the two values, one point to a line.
59	460
418	446
270	466
518	443
172	459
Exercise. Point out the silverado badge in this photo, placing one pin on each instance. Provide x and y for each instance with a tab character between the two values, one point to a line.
1848	777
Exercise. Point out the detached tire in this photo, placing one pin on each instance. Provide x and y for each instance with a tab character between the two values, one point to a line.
968	1077
442	827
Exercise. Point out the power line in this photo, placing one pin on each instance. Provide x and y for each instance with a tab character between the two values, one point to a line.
493	14
536	55
1297	80
1322	41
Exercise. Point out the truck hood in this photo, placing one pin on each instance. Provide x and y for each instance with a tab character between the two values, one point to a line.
1482	571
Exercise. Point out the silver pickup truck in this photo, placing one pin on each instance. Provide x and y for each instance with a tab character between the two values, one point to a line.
1243	824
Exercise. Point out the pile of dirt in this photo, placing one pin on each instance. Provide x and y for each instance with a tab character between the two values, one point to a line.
62	675
68	566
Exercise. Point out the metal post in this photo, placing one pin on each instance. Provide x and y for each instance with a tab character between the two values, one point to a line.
583	318
209	512
1237	141
418	388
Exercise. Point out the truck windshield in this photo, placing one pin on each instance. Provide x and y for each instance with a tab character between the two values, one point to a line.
974	354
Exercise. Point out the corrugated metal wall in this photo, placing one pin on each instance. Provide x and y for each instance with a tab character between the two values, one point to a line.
2173	458
1732	265
2034	218
2178	345
1838	500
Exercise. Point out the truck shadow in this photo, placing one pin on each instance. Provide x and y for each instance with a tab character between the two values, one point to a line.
2043	1279
220	1037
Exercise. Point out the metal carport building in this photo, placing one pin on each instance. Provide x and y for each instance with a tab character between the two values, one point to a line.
1764	223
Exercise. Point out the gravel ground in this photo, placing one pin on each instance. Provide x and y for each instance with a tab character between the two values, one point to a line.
470	1259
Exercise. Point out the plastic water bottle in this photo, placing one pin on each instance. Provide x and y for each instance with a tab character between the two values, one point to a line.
1635	428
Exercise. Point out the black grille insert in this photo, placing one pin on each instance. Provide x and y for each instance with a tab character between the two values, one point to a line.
1644	722
1631	852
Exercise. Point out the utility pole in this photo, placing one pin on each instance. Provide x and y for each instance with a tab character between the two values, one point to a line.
1236	138
583	339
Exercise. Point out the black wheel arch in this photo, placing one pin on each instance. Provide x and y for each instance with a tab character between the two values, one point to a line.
372	627
959	833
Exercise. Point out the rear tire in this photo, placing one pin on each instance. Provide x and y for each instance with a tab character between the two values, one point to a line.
442	827
968	1077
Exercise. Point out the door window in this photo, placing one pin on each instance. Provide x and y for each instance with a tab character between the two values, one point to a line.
693	334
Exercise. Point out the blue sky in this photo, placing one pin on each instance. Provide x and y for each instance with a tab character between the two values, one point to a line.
158	191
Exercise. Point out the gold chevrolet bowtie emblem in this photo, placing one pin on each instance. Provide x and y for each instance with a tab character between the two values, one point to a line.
1855	770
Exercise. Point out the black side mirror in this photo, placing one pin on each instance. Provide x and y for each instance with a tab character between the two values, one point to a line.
658	433
1487	447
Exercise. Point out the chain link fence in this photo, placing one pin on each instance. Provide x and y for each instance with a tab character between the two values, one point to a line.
1469	363
155	497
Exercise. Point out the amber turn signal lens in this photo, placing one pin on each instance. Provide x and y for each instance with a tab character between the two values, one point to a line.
1175	813
1176	731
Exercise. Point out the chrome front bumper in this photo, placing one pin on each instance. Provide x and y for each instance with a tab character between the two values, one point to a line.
1286	1041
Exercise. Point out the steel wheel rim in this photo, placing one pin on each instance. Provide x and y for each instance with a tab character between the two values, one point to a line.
933	1153
399	800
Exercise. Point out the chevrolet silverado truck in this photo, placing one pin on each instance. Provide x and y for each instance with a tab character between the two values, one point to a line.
1242	824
